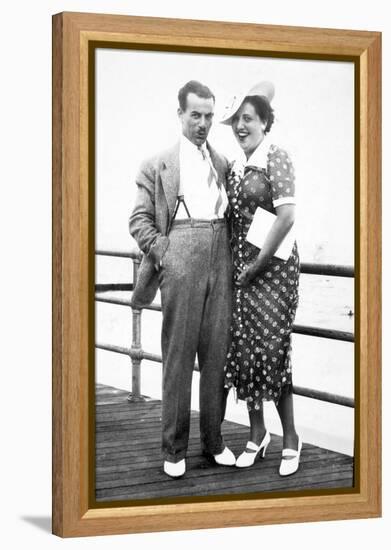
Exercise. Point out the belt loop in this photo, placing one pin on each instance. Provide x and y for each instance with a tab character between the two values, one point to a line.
191	222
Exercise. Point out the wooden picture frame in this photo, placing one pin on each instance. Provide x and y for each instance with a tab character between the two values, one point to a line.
74	37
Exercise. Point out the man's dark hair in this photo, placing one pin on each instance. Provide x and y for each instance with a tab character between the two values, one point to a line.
193	87
263	109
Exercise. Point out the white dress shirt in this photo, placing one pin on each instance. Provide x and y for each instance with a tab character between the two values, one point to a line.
199	189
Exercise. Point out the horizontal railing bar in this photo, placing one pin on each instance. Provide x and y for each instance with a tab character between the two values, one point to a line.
327	269
120	301
158	359
298	390
115	349
324	396
139	354
151	357
134	254
308	268
332	334
108	287
154	307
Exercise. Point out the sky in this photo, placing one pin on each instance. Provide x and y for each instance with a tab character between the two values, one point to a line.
136	117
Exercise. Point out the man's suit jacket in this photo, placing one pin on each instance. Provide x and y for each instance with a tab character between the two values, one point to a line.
157	191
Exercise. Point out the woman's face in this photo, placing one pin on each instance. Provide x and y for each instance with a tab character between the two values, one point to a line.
248	128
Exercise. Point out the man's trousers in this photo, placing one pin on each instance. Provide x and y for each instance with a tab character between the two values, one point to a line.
195	282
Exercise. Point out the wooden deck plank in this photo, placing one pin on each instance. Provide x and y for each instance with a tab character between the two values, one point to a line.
136	476
108	470
211	486
201	469
129	463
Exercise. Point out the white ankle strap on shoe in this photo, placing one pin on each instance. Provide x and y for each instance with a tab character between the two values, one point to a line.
292	453
290	460
252	446
289	453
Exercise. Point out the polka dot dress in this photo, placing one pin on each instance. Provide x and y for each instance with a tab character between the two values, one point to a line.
259	360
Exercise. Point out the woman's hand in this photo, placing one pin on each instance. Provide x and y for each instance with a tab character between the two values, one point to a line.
246	276
277	233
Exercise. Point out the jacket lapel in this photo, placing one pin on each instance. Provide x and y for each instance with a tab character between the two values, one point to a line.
170	177
219	166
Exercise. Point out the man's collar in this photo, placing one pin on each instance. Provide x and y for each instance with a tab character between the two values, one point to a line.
188	145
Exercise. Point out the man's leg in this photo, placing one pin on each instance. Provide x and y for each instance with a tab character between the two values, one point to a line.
183	285
214	341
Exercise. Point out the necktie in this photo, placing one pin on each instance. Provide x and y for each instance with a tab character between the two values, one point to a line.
212	171
213	176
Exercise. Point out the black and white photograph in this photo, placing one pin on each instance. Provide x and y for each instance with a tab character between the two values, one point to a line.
145	244
224	275
251	389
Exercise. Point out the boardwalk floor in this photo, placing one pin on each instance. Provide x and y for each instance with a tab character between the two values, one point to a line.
129	465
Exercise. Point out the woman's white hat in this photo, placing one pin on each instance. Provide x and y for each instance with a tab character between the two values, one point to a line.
263	88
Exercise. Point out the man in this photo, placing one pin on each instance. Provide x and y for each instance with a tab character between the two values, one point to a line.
186	253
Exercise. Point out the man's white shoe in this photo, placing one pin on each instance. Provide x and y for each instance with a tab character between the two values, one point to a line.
174	469
226	458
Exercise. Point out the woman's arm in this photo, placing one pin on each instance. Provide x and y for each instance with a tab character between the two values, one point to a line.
281	226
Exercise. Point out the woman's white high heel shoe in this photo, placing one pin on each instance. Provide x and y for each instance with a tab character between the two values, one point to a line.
248	456
290	460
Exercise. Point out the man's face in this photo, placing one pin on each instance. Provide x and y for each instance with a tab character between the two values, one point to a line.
197	118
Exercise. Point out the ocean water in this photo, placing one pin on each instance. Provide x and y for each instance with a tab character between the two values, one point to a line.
319	363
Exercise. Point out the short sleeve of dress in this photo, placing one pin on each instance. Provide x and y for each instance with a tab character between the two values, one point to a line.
281	176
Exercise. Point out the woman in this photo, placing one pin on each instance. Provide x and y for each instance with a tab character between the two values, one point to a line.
266	287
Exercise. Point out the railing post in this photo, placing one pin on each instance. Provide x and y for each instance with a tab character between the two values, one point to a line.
136	351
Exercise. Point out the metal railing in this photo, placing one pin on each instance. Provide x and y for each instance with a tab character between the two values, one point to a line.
137	354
